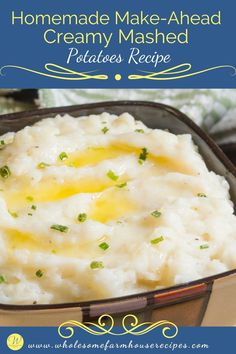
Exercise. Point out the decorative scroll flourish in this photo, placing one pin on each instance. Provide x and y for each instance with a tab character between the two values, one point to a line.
180	71
130	325
58	72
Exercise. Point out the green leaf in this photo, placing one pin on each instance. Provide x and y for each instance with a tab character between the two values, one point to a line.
156	213
104	246
143	155
2	279
60	228
29	198
104	130
122	185
157	240
112	175
42	165
204	247
13	214
201	195
39	273
5	172
63	156
82	217
96	265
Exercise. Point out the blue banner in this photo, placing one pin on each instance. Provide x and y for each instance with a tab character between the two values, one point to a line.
146	44
210	340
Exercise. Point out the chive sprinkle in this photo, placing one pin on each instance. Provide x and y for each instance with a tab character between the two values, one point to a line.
42	165
156	213
112	175
201	195
96	265
2	279
122	185
5	172
204	247
63	156
157	240
139	131
39	273
30	214
2	142
13	214
33	207
104	130
82	217
30	198
60	228
143	155
104	246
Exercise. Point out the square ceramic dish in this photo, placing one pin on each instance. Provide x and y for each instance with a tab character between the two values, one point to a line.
209	301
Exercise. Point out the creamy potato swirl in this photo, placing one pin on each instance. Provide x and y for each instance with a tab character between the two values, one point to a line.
102	206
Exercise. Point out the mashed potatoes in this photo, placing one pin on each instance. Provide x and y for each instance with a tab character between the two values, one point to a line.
103	206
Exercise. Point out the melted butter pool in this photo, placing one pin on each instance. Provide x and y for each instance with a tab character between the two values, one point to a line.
51	191
17	240
95	155
112	205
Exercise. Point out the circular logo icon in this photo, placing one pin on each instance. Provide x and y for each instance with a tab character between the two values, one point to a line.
15	341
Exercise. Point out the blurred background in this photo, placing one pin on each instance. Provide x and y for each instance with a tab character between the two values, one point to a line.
214	110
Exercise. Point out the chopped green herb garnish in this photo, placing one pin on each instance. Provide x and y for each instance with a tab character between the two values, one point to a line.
63	156
122	185
104	246
139	131
203	247
30	198
5	172
112	175
2	142
54	251
82	217
201	195
60	228
42	165
33	207
104	130
39	273
157	240
13	214
143	155
30	214
156	213
96	265
2	279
